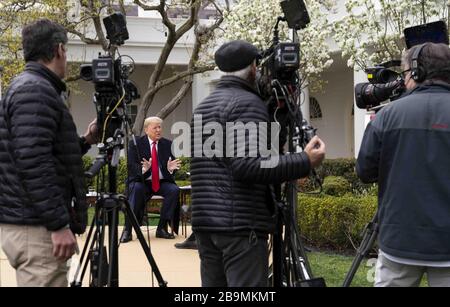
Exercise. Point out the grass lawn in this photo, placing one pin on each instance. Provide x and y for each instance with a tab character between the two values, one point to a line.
333	268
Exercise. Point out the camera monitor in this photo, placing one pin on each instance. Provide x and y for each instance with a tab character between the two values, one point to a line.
296	13
116	28
435	32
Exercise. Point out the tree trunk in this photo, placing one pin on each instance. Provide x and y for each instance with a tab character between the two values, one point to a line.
176	101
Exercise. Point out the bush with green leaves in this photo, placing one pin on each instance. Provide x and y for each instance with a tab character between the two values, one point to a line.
335	222
122	174
339	167
183	172
336	186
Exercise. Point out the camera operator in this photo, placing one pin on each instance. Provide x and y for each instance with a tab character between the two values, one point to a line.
41	170
406	148
232	202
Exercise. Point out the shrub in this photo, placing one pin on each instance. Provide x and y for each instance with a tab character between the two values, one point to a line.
342	168
87	162
335	222
182	173
122	174
336	186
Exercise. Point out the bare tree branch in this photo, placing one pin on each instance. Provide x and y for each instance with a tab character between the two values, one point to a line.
193	18
146	7
197	70
122	7
202	34
176	101
83	37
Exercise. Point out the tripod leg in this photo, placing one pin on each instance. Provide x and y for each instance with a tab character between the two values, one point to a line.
368	241
98	281
77	282
277	265
143	243
113	270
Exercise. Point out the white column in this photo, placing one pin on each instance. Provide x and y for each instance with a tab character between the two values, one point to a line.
202	86
360	115
305	104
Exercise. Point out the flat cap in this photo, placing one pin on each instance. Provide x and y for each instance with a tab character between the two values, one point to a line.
235	55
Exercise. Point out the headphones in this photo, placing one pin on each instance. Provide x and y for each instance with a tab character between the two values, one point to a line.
418	73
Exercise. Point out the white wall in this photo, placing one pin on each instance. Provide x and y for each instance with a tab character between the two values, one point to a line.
336	101
360	115
147	37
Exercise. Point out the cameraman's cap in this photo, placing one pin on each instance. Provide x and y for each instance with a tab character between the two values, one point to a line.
235	55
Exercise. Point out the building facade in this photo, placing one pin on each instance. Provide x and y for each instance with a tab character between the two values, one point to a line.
340	124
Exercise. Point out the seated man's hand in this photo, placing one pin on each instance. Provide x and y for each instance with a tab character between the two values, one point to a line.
146	165
173	165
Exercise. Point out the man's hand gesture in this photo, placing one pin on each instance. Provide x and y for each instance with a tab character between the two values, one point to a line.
173	165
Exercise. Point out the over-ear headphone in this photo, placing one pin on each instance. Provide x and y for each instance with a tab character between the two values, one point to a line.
418	72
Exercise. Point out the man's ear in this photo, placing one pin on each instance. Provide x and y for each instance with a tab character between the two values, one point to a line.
60	50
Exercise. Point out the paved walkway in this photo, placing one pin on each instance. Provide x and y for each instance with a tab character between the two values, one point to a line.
180	268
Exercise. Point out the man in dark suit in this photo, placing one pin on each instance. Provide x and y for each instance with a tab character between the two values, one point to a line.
150	169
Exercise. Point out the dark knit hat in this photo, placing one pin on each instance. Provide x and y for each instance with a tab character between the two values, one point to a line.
235	55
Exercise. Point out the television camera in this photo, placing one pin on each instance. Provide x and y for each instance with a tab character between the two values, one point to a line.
279	83
385	83
113	91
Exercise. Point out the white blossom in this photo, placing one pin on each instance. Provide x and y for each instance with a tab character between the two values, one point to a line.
254	20
372	30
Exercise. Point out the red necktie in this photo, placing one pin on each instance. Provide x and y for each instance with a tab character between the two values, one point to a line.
155	169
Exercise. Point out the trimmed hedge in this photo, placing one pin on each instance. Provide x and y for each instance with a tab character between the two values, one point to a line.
335	222
336	186
122	174
182	173
342	168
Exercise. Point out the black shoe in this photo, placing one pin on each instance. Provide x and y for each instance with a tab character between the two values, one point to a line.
162	233
187	244
126	237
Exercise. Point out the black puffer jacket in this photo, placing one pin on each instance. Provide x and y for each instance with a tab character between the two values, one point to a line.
40	154
232	195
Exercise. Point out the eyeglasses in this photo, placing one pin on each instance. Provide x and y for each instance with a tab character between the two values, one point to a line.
404	73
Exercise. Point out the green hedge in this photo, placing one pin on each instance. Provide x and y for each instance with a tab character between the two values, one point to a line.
182	173
335	222
122	174
342	168
336	186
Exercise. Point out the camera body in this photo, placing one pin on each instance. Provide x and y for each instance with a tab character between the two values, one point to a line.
387	84
113	89
280	67
278	81
383	84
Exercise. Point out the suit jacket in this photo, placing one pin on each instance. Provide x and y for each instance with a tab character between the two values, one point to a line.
144	151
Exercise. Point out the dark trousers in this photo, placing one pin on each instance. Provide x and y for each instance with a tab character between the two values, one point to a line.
231	261
140	193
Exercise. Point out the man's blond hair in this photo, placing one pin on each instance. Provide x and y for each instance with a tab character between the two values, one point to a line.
152	120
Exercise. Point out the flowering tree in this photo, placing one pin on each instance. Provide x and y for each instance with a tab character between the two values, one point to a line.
372	30
254	20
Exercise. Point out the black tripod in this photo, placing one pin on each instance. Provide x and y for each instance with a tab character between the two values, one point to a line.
291	267
104	259
367	243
